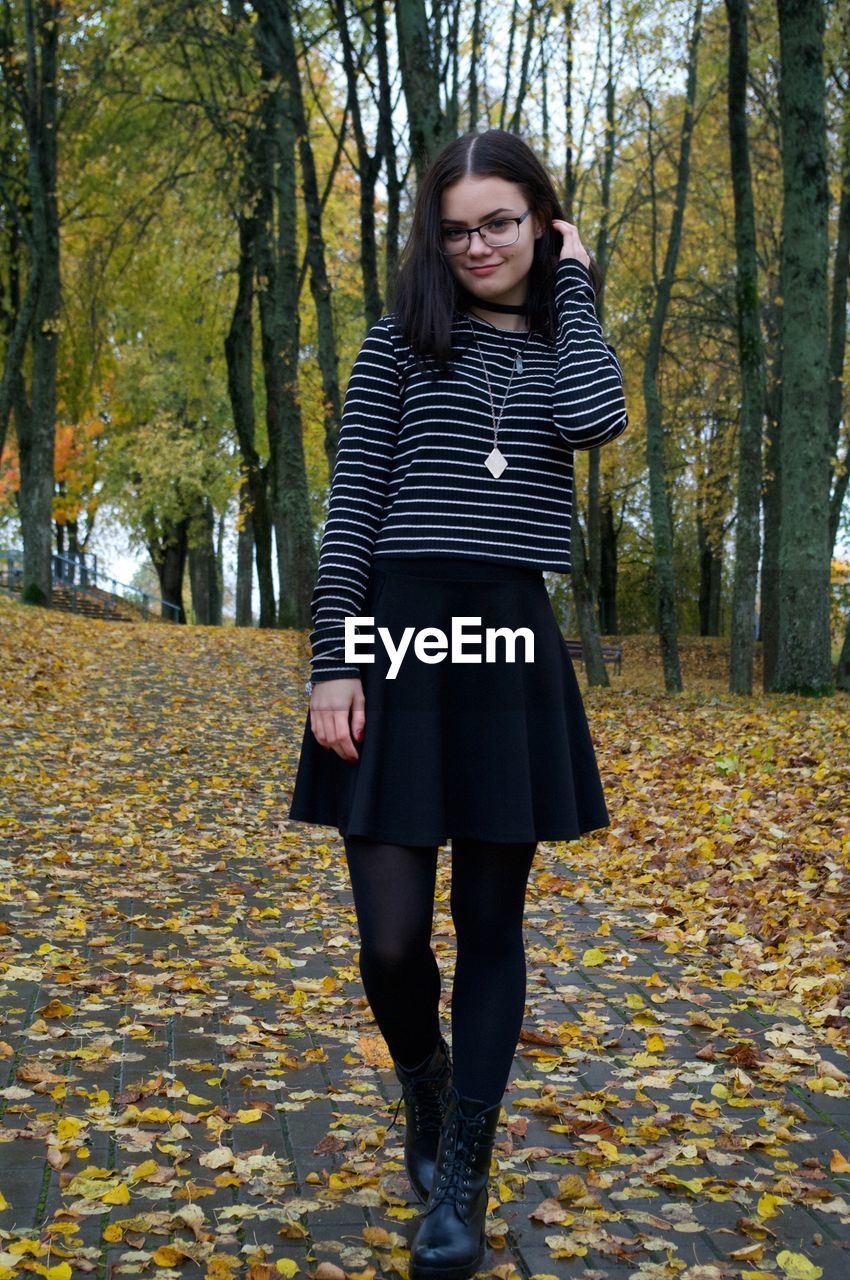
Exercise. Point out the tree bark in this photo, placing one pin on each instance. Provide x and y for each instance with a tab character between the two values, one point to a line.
36	429
368	170
279	320
585	604
710	580
804	661
238	349
387	148
662	525
420	78
244	559
751	360
772	513
838	307
203	567
608	621
168	553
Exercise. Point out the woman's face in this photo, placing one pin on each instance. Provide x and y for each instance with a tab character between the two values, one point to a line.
471	202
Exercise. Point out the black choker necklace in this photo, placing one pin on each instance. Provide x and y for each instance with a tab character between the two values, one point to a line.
509	308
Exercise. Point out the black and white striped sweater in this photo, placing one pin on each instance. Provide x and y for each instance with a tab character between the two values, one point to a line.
410	477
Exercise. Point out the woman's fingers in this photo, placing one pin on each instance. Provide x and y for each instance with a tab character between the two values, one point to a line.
572	246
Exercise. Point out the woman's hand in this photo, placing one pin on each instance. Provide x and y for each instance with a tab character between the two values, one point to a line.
330	704
573	247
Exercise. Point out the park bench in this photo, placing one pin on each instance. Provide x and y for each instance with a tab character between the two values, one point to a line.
610	652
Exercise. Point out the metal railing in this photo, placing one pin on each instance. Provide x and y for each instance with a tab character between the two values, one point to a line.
80	577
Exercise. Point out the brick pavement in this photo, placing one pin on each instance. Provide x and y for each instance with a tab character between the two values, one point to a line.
177	946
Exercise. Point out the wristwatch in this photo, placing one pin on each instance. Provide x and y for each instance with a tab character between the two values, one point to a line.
308	687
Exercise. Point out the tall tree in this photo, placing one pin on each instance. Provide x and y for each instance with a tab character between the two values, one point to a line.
277	247
662	525
36	94
804	663
838	328
417	40
750	355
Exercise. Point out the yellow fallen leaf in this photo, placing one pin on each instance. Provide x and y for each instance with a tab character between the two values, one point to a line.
594	955
155	1114
768	1205
168	1255
118	1195
68	1127
56	1009
60	1272
797	1266
286	1267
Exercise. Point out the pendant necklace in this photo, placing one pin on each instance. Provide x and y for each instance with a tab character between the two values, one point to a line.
495	462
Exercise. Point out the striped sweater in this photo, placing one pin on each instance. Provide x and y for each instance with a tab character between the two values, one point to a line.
410	477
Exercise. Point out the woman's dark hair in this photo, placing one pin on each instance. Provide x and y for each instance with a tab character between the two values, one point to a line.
425	293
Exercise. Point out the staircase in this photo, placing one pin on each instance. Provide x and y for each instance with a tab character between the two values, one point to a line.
74	589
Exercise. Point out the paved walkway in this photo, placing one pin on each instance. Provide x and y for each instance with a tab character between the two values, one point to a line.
191	1076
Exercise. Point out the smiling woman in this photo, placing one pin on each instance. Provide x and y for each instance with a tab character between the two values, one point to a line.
452	492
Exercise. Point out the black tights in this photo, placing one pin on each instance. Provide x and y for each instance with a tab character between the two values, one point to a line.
393	888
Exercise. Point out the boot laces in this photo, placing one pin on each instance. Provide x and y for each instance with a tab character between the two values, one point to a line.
425	1096
460	1146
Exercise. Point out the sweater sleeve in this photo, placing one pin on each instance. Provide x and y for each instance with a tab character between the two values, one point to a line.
367	436
589	401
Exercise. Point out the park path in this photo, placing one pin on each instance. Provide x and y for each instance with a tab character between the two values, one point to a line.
192	1082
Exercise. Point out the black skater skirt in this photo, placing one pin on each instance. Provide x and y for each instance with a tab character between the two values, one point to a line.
497	751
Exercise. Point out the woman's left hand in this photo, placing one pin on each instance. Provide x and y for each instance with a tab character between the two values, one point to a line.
573	247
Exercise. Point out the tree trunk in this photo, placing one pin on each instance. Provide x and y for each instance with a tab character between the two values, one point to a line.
387	148
838	310
203	567
710	580
662	526
837	343
168	554
368	170
244	559
804	660
238	348
475	61
319	283
751	360
420	78
36	430
594	485
279	319
585	603
842	670
772	501
608	620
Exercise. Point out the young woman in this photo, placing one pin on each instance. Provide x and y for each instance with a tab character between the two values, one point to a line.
455	710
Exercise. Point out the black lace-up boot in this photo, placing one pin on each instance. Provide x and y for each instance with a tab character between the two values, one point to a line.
449	1242
425	1094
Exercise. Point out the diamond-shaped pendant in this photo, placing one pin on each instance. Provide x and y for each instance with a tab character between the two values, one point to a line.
518	363
496	462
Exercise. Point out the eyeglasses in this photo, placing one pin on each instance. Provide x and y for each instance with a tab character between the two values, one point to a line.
496	234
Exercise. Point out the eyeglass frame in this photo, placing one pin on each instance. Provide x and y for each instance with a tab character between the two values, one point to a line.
470	231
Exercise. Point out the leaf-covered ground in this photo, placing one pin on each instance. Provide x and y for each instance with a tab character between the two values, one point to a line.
192	1081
